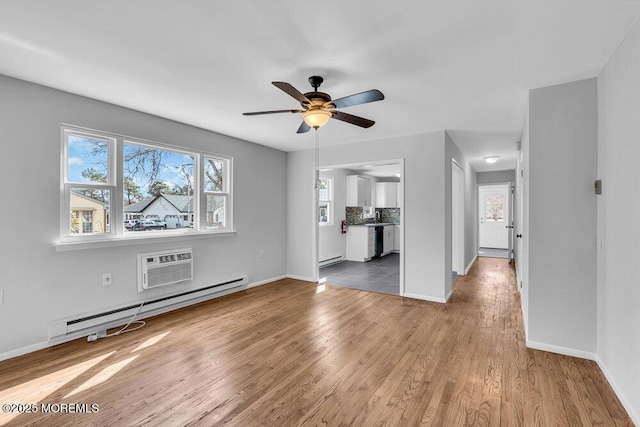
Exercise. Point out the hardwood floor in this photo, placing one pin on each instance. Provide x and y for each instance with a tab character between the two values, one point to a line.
284	354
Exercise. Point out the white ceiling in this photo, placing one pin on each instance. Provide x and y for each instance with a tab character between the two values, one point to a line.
463	65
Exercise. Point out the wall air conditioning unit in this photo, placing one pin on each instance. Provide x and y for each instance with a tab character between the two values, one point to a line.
157	269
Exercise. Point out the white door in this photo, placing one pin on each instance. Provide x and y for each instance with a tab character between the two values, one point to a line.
519	217
493	209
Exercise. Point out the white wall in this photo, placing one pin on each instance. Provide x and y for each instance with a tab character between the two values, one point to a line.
561	236
332	242
424	214
41	285
496	177
618	222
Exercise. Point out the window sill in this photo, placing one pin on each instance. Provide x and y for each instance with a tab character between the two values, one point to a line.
132	241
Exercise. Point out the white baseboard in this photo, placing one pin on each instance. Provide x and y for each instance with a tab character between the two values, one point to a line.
24	350
561	350
466	270
616	388
448	295
304	279
264	282
424	298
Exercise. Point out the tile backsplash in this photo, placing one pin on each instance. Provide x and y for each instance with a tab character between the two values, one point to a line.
354	215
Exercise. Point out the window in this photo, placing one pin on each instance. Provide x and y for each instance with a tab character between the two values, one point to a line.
494	208
216	188
164	189
325	190
88	183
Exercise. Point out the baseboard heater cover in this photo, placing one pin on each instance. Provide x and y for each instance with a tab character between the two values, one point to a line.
329	261
62	330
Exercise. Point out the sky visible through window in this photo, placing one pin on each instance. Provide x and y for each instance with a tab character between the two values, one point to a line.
150	170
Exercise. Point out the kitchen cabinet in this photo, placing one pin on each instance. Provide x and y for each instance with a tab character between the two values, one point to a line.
387	239
359	191
361	243
387	194
396	238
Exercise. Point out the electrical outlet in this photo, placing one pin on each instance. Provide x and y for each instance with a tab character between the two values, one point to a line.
106	279
1	296
261	253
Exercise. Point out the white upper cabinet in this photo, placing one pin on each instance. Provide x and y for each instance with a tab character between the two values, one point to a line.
387	194
359	191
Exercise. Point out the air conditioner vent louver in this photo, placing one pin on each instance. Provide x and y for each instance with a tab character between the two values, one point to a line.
164	268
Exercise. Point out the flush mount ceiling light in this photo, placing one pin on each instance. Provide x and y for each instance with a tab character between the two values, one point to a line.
491	159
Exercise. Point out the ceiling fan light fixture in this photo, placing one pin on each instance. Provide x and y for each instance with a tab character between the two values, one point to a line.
491	159
316	118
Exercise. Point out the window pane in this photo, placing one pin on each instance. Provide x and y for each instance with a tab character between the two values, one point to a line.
323	212
323	190
89	211
157	183
216	208
87	159
214	174
494	208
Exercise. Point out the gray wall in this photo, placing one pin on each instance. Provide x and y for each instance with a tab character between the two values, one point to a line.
496	177
41	285
618	213
561	235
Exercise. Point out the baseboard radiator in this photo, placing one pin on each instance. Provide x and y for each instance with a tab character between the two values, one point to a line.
329	261
71	328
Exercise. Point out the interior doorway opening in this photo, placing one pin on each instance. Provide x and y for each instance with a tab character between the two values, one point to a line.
457	220
495	220
360	212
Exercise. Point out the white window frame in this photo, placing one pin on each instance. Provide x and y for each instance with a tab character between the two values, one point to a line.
328	201
115	184
225	192
66	185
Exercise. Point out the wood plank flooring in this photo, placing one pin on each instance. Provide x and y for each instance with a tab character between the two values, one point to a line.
285	354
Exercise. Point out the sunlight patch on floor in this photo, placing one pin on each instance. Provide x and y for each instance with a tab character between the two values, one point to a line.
102	376
151	341
35	390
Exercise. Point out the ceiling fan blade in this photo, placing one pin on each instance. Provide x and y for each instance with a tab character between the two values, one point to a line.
257	113
304	128
359	98
292	91
354	120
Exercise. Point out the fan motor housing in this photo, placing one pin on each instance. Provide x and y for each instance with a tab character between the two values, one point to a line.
318	97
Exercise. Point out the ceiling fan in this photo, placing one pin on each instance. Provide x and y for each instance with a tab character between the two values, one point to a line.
318	107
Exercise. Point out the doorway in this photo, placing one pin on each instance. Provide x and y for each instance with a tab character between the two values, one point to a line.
494	220
457	219
369	199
